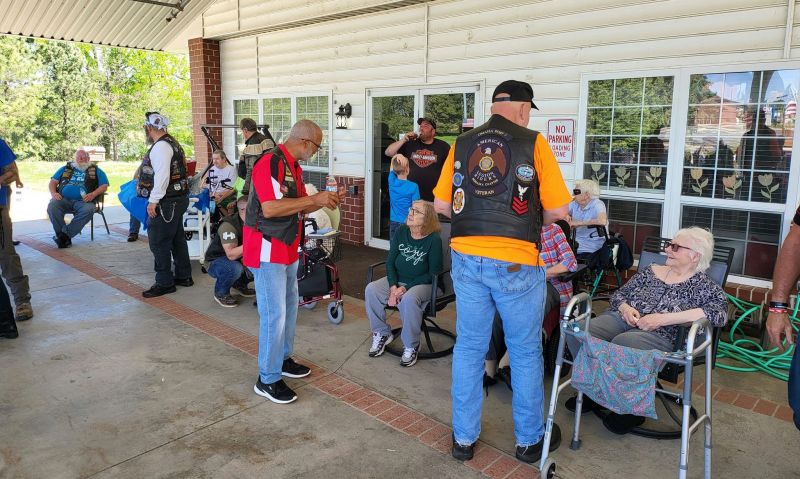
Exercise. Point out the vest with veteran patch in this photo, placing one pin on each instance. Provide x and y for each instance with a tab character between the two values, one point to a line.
495	186
90	182
282	228
178	178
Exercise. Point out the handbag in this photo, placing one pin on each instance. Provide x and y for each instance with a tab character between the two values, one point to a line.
313	278
620	378
135	204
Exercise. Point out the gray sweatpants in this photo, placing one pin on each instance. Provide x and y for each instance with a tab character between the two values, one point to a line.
411	307
10	263
610	326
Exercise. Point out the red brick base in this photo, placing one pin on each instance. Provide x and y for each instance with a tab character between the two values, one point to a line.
352	208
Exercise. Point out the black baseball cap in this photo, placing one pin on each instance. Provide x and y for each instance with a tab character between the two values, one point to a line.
517	91
429	120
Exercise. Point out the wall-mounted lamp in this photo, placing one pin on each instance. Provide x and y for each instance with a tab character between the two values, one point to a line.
345	111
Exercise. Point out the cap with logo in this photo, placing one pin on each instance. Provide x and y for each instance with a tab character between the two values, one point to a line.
516	91
429	120
156	120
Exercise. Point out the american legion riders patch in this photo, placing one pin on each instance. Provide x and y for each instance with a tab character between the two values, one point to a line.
488	164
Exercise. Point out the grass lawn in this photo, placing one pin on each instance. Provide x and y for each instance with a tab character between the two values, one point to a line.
36	175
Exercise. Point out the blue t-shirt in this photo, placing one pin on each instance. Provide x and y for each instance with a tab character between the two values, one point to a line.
401	194
587	237
6	158
72	190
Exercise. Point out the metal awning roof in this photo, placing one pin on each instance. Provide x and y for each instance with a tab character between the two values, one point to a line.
121	23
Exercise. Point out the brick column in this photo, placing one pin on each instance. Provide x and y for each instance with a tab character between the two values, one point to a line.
352	209
206	95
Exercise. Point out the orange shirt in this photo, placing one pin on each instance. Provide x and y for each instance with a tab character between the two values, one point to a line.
553	194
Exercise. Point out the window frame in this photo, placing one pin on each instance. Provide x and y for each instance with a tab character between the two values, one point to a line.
672	199
259	98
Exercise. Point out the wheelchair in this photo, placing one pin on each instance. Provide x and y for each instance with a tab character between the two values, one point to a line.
686	354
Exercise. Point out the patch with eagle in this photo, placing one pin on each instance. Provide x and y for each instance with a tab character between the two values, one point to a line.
521	196
488	164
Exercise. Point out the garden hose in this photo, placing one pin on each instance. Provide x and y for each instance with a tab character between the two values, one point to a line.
773	362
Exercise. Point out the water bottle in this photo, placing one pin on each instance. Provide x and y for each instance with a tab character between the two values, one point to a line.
331	184
18	195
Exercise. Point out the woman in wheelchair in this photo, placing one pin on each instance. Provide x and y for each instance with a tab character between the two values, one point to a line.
415	255
585	212
646	311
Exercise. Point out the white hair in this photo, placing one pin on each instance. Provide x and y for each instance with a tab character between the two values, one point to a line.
589	186
701	241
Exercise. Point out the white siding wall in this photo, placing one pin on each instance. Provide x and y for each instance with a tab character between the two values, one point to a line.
548	43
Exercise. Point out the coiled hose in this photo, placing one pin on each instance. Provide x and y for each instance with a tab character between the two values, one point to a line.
773	362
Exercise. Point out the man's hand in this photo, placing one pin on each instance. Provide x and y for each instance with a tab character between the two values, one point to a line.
89	197
56	196
19	183
629	314
151	209
326	199
649	322
778	325
410	136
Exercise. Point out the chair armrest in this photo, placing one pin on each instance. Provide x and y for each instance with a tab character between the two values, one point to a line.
571	275
371	269
436	279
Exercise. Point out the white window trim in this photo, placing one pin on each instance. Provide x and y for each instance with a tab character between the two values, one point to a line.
672	200
293	118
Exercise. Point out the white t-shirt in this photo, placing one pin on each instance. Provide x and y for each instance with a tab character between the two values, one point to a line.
160	158
221	179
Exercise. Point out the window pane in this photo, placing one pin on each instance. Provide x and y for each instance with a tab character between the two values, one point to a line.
278	115
754	235
315	108
624	141
634	220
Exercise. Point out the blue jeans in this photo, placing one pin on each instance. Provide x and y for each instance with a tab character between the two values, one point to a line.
82	213
227	273
794	383
134	226
276	293
484	286
393	225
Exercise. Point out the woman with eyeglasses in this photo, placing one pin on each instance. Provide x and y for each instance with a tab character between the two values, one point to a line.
415	255
645	313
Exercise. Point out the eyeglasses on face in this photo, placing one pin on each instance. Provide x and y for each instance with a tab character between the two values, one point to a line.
312	142
675	247
415	212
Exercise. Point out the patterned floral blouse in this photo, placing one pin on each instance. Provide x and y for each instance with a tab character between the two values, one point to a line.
648	294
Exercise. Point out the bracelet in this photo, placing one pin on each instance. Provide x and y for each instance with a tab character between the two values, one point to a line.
778	310
778	304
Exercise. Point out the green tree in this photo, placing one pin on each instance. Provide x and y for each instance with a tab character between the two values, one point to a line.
19	96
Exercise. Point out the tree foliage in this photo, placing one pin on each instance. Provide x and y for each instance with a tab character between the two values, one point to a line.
59	96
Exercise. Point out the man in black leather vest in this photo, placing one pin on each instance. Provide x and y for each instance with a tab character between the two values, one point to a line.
499	185
165	184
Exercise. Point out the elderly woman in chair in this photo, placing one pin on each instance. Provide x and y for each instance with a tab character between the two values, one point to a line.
415	255
646	312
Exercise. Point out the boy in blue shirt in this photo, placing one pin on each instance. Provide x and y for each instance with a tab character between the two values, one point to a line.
402	193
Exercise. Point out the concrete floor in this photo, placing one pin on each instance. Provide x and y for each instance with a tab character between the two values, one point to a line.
101	384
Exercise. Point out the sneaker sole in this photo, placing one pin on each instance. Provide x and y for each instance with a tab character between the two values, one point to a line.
408	365
243	295
223	304
294	376
265	394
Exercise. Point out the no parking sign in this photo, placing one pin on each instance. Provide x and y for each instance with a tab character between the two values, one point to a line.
561	136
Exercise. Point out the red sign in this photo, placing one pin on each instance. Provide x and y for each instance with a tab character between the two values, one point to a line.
561	136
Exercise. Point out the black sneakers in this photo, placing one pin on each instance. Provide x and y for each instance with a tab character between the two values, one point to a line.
531	454
462	453
187	282
158	290
62	240
277	392
226	301
133	237
291	369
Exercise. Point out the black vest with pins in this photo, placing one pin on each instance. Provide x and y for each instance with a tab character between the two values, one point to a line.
90	182
178	177
495	185
282	228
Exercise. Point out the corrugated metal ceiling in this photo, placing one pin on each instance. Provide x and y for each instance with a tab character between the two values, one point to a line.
121	23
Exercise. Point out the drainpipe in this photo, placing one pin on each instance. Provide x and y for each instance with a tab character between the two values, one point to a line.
787	37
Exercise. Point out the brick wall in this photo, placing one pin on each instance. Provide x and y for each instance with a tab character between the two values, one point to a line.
352	208
206	81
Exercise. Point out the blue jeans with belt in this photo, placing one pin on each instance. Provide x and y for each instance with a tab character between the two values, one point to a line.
794	384
484	286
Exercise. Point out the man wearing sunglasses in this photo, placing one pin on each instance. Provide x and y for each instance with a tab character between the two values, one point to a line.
271	238
163	180
779	326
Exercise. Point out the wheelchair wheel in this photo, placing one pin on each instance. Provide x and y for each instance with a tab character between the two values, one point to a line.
335	312
548	469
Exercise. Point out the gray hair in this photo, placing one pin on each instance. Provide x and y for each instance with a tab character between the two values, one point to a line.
701	241
589	186
304	130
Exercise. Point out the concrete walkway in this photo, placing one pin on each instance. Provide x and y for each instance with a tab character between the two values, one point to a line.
102	383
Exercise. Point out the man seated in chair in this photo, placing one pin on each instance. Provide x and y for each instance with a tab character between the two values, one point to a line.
646	312
74	188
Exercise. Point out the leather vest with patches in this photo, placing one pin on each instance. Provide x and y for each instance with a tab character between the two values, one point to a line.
178	178
90	183
495	185
254	148
282	228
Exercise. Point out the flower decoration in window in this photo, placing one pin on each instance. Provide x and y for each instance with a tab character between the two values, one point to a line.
597	173
622	175
765	180
700	182
654	176
731	184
